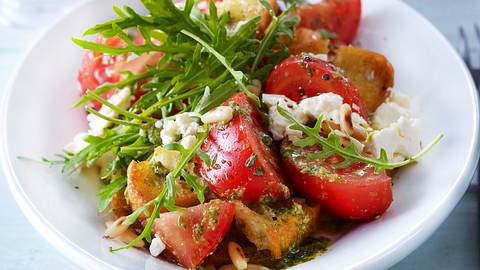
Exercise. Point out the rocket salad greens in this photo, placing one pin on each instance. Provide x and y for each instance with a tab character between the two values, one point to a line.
221	127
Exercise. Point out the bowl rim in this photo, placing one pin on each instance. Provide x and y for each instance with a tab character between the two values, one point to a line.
387	257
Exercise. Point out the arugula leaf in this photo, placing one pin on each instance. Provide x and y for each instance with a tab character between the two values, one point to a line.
204	157
97	148
281	25
237	75
332	145
107	192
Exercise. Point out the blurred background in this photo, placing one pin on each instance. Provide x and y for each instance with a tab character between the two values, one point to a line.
455	245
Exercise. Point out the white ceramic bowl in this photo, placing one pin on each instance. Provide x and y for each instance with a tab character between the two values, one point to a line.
36	121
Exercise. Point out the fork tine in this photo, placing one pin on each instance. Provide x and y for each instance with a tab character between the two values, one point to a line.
463	47
477	31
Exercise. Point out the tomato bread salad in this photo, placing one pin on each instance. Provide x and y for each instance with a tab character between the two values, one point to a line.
239	134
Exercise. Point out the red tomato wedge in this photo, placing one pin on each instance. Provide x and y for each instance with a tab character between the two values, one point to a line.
244	166
193	234
93	69
97	69
354	193
299	77
339	16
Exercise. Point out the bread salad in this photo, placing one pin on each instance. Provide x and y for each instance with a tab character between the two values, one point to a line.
239	134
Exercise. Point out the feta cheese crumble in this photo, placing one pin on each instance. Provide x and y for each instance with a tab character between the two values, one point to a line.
327	104
169	133
78	143
396	106
241	10
188	142
307	110
173	130
97	124
157	246
278	124
400	140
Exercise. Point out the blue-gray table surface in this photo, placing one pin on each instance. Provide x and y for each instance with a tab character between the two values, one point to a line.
455	245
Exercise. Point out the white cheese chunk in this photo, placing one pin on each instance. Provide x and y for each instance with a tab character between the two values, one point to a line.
169	133
97	124
158	124
188	141
78	143
183	122
327	104
400	140
396	105
241	10
157	246
278	124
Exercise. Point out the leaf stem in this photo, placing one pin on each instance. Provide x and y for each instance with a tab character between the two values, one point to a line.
119	109
113	120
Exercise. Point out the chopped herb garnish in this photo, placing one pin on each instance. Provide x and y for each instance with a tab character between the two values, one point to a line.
327	34
107	192
258	171
251	160
266	139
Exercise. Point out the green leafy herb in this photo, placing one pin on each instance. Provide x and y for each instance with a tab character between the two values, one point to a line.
266	139
332	145
105	194
327	34
281	25
259	171
251	160
204	157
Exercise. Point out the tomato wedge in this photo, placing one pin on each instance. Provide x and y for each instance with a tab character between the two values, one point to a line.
193	234
94	69
354	193
97	69
299	77
244	166
339	16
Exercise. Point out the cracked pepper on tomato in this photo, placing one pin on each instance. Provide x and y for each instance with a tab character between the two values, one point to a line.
227	132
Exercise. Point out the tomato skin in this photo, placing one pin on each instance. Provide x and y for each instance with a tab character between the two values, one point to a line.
193	234
299	77
231	146
354	193
308	41
93	70
339	16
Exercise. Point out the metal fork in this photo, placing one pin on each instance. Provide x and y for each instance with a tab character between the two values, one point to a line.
467	53
465	50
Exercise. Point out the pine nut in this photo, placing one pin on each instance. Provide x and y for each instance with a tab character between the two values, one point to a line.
128	236
219	114
116	228
237	256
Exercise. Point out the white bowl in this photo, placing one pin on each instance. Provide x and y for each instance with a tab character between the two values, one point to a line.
37	122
